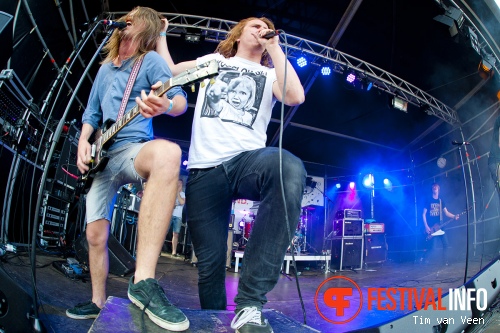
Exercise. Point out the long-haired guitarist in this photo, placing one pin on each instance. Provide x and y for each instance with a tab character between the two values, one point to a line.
433	215
133	157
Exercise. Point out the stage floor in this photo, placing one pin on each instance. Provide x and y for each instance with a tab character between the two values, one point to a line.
178	277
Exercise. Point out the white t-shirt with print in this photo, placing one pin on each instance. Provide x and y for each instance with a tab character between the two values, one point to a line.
236	119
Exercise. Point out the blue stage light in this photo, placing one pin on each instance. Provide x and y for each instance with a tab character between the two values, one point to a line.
387	184
326	70
301	61
368	181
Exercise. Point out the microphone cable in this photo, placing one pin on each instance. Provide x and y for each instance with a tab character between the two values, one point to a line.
280	150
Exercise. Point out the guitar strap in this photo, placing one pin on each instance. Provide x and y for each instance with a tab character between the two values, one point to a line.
440	211
128	88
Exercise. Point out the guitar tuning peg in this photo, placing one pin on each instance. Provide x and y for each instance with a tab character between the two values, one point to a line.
202	84
192	88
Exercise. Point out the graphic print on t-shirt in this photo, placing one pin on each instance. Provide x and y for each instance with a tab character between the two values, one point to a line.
435	209
234	96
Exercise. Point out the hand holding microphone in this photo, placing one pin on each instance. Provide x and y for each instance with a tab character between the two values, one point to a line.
271	34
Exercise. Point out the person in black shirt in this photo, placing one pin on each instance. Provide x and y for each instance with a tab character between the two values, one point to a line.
432	216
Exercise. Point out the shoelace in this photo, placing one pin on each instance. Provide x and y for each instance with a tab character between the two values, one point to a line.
247	315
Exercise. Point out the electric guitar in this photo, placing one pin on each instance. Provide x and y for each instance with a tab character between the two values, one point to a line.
436	228
104	138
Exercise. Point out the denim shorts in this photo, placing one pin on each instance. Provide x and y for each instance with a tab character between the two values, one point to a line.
119	171
175	224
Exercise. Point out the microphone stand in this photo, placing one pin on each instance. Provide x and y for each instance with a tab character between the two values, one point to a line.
36	324
467	217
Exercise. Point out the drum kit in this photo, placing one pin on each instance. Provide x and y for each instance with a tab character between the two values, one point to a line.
299	240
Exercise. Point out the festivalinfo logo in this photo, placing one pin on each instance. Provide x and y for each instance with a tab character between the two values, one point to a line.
339	300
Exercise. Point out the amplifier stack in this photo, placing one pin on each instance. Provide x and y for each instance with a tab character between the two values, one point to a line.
347	243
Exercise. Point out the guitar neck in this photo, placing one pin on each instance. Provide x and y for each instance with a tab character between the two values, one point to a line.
190	76
134	112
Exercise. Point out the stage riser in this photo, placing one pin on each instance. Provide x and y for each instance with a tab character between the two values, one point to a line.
126	317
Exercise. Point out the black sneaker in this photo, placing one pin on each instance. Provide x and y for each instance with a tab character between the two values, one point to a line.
149	296
250	320
87	310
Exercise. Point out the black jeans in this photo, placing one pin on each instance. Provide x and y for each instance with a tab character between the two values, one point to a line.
252	175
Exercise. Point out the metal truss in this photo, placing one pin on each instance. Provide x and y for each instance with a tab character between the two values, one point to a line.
215	30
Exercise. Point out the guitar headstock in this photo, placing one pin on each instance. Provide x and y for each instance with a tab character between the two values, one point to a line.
203	71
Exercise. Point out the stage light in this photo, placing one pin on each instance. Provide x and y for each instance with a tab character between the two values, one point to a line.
326	70
351	77
453	18
185	163
366	84
301	61
486	65
337	185
193	35
399	103
369	85
368	181
352	185
387	184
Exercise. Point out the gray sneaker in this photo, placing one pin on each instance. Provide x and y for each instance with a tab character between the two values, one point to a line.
250	320
87	310
148	295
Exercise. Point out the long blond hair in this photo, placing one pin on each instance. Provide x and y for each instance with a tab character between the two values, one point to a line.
229	46
150	19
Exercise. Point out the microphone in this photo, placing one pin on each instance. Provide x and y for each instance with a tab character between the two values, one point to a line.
459	143
271	34
114	24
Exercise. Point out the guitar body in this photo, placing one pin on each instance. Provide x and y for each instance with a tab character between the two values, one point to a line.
436	227
106	137
99	158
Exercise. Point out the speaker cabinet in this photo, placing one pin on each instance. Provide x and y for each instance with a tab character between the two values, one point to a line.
16	306
348	227
120	261
375	248
347	252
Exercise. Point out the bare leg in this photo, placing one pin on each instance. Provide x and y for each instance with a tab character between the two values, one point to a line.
175	241
97	237
158	162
